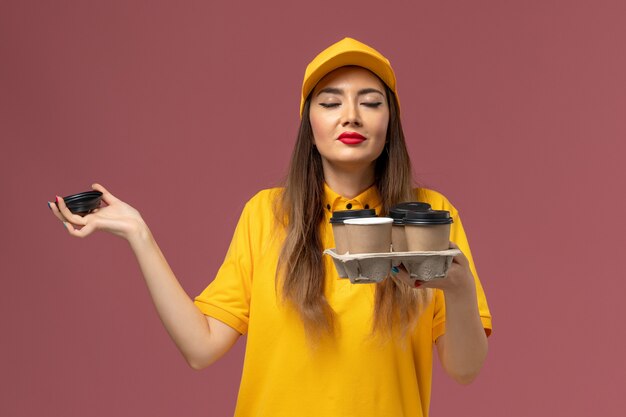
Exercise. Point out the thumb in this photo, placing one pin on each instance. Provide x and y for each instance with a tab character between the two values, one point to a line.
106	195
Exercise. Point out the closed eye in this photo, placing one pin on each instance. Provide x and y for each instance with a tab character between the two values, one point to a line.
329	105
373	105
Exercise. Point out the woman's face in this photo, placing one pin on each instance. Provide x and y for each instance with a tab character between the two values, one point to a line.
349	117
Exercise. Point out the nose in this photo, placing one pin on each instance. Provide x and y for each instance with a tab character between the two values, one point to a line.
351	115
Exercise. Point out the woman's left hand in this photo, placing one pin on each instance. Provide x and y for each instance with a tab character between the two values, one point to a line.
459	278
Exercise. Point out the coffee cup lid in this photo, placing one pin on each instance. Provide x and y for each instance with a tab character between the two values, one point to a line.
86	196
412	206
341	215
424	218
83	202
398	212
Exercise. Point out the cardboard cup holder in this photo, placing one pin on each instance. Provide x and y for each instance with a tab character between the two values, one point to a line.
369	268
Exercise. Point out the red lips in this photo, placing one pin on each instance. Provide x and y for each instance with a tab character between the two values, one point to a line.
351	138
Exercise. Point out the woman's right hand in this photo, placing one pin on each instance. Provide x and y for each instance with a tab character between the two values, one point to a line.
115	217
201	339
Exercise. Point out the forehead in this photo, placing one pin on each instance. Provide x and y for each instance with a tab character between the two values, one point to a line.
351	76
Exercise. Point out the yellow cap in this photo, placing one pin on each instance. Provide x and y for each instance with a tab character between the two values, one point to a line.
346	52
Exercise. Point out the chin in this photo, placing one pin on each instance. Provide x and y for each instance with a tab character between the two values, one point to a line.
352	163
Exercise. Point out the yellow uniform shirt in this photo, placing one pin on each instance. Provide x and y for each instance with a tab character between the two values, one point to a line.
351	375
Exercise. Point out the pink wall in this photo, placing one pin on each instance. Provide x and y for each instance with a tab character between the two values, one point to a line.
515	110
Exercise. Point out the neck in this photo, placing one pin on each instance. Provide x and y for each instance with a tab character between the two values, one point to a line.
348	181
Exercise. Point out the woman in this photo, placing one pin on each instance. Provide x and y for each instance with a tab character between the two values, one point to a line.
318	345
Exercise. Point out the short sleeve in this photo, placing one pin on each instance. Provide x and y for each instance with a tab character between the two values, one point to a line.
227	298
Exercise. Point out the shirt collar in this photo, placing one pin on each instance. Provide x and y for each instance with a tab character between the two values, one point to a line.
368	199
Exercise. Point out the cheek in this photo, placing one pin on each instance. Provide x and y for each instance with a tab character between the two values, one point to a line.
381	127
383	132
319	126
315	127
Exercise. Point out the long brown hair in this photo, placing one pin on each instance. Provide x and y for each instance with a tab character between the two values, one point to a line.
301	267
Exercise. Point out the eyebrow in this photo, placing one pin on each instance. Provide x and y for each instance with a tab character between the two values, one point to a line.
339	91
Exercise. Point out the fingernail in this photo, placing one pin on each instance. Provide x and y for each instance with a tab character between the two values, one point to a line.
65	225
56	199
49	205
394	270
417	283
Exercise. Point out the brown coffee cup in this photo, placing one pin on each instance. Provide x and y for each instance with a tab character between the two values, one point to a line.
398	238
369	235
427	230
398	213
339	229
